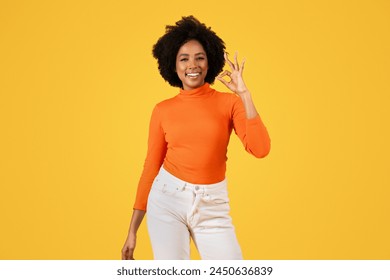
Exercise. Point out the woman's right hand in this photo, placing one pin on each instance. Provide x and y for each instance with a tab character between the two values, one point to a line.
129	247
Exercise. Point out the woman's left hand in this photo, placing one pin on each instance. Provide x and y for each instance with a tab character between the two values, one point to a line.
236	83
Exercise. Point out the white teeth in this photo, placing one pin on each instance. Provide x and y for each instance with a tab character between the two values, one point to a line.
193	74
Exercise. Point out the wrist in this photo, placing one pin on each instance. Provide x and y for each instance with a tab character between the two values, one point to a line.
244	94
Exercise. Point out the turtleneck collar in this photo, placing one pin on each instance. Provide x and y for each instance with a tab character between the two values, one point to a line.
200	92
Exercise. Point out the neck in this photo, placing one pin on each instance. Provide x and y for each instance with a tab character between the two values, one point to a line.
202	91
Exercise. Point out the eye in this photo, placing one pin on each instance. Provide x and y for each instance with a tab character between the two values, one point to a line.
184	59
200	58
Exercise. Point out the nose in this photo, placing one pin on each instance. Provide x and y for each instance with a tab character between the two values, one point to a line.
192	64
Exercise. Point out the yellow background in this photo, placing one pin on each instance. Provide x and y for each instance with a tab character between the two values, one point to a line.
78	83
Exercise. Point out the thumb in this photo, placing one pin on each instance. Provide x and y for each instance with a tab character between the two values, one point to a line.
222	80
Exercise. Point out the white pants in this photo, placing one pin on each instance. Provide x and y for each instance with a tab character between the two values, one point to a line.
178	210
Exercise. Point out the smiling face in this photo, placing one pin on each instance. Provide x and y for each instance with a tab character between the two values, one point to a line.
191	65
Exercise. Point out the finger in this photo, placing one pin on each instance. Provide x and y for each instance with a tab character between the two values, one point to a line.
222	80
225	73
124	254
236	61
127	253
242	65
228	61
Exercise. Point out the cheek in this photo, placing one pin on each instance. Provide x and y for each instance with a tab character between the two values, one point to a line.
179	68
206	65
180	72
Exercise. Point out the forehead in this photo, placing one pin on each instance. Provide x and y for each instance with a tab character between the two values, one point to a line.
191	47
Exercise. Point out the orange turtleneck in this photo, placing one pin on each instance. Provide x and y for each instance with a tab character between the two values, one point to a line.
189	135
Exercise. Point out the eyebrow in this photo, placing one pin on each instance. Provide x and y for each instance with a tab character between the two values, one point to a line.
186	54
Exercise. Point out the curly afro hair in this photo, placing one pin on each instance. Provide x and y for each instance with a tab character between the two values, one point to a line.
186	29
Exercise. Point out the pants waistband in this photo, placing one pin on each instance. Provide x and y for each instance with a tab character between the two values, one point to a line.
198	188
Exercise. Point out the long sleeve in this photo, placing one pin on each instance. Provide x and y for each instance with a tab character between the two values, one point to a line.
252	132
157	148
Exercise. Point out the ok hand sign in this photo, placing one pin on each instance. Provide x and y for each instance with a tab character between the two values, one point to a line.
236	83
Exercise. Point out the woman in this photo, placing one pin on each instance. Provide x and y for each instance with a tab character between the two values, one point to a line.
183	186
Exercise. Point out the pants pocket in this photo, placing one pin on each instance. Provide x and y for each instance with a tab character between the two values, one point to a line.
219	198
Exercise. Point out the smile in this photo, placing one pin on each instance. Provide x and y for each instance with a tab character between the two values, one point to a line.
192	75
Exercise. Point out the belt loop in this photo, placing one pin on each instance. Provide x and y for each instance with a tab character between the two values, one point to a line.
182	187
